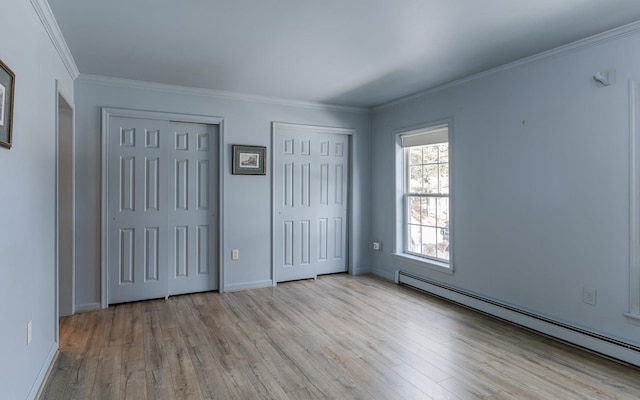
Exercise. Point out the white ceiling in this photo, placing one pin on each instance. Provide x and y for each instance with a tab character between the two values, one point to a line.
345	52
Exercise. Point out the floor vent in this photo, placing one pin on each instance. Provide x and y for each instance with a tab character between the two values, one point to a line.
605	345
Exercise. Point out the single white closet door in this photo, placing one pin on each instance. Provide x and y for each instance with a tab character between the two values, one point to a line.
311	202
137	209
192	220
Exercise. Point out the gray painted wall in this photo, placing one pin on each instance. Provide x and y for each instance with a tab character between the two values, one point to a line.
540	208
247	199
27	201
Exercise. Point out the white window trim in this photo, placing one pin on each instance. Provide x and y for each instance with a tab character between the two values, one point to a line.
634	204
401	258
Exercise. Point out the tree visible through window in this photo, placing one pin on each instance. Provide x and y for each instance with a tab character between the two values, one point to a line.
427	194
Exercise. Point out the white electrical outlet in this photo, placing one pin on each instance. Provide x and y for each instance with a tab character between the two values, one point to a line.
235	254
589	296
29	332
377	246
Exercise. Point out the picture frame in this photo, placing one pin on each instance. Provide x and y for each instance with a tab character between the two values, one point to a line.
249	160
7	84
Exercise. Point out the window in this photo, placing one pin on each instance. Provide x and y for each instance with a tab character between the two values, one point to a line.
426	193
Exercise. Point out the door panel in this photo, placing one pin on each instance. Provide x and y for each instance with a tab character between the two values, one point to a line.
311	171
192	219
137	198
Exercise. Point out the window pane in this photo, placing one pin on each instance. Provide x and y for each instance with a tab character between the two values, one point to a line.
415	155
444	178
443	250
414	210
443	212
429	236
427	212
431	178
430	154
443	150
415	179
415	238
429	208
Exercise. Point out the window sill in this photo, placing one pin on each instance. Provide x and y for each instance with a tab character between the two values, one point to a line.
633	318
414	261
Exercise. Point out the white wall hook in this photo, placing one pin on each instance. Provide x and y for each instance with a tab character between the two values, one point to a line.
605	78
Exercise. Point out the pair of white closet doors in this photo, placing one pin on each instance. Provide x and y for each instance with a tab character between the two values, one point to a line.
162	186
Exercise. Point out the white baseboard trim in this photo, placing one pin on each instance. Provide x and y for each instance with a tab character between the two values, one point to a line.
610	347
248	285
44	372
88	307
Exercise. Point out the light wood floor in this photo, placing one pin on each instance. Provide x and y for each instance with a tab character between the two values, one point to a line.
338	337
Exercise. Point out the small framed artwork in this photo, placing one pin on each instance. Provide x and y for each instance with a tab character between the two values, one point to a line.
249	160
6	104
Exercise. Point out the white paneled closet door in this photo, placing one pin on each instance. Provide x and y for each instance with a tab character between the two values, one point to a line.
311	202
138	209
162	196
192	227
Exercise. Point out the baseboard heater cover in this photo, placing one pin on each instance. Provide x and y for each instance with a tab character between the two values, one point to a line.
590	340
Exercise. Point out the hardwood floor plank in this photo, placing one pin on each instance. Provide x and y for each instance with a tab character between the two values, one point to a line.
362	375
107	381
107	386
153	344
132	340
134	385
264	382
303	394
337	337
240	382
181	366
186	387
400	384
191	328
114	325
83	374
212	377
421	380
159	386
284	371
318	374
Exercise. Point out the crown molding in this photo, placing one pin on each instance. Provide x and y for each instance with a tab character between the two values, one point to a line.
284	126
591	41
218	94
53	30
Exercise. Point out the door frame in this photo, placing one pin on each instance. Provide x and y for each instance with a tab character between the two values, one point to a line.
60	94
65	276
350	133
107	113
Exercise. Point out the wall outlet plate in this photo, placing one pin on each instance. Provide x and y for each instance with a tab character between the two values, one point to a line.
377	246
235	254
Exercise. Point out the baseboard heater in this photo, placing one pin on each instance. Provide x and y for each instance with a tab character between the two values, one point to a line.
604	345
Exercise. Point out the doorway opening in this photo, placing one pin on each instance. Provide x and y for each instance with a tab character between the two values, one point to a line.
65	193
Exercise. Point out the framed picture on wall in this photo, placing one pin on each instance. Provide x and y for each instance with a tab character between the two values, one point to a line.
249	160
7	79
